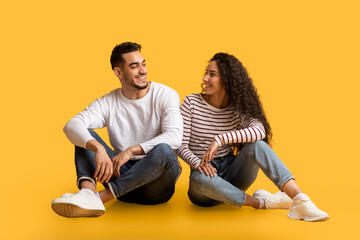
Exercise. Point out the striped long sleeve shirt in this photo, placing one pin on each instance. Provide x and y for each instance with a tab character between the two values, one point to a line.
204	123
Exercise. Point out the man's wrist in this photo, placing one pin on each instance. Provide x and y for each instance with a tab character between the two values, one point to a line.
135	150
99	148
129	151
95	146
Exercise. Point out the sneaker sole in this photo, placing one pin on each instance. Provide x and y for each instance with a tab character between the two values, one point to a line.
286	205
71	211
296	216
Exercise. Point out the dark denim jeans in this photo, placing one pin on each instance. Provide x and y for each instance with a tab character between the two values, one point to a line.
150	180
235	174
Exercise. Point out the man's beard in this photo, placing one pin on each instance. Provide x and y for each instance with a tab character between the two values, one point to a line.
131	83
139	87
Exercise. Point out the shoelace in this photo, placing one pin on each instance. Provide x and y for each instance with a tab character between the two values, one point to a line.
67	195
272	203
74	196
309	204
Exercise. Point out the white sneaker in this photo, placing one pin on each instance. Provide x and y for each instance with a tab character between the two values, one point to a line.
306	210
277	200
66	195
80	204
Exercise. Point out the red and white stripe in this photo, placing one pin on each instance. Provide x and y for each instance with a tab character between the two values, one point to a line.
203	123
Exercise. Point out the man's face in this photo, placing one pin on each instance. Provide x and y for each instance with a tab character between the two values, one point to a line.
133	73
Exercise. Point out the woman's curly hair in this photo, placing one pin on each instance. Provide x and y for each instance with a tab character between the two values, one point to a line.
240	90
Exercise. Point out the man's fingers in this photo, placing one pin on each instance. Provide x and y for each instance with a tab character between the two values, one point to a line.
101	176
100	173
106	175
114	166
103	172
117	169
97	171
109	173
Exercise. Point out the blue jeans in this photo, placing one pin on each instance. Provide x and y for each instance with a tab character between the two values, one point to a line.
235	174
150	180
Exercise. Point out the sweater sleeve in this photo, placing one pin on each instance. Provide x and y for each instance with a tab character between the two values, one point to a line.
171	122
253	131
184	152
94	117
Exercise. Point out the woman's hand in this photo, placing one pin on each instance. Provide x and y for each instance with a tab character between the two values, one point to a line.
208	169
210	153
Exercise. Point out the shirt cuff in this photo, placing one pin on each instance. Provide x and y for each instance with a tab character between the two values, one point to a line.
217	139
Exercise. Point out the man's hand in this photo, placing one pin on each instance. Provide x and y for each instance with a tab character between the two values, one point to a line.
104	166
120	160
210	153
125	156
208	169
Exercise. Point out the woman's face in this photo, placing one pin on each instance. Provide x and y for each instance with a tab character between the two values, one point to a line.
212	80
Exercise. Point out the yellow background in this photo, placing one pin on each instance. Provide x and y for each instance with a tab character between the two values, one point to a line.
302	55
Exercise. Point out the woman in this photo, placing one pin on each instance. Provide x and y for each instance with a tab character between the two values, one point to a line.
225	141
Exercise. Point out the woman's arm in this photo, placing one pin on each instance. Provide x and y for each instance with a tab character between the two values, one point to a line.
183	151
253	132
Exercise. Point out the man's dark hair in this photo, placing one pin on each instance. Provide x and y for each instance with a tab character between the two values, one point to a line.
118	51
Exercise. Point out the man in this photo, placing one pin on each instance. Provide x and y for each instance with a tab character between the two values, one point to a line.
144	126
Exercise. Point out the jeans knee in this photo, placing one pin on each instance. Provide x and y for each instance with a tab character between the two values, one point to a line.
201	200
258	145
197	179
163	147
165	150
162	155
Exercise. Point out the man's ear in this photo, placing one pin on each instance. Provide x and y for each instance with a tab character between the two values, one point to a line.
118	72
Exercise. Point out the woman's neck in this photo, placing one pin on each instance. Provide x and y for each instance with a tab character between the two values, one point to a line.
216	100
